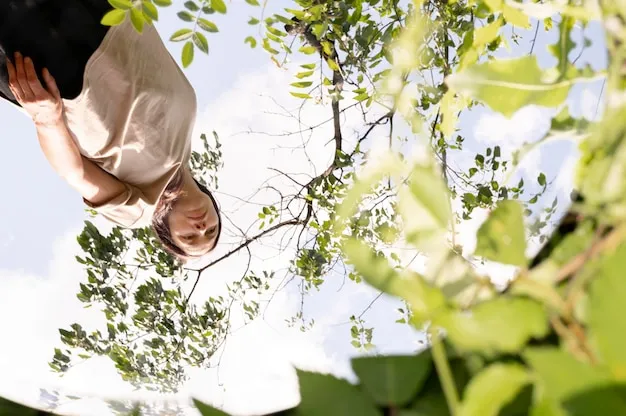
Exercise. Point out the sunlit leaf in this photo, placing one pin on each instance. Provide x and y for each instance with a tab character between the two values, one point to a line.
492	388
137	19
201	42
502	236
515	16
506	85
187	53
424	204
150	10
181	34
300	95
207	25
564	45
113	17
121	4
501	325
219	6
250	40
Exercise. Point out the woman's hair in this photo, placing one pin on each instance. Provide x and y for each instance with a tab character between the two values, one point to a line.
160	218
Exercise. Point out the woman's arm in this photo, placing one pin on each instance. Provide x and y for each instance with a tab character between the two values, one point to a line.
45	106
92	182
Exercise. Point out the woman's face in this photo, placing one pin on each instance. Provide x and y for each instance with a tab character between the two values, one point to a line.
194	224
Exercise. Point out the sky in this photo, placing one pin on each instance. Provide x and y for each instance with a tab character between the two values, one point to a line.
240	92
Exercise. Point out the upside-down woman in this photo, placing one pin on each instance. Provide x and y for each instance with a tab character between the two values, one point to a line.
114	115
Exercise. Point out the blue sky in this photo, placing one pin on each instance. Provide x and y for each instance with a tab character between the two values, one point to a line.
235	85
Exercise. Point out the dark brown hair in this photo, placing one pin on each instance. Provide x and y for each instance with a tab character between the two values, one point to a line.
160	218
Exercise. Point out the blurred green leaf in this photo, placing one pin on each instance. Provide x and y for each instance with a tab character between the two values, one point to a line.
219	6
492	388
206	410
502	236
121	4
606	312
325	395
500	325
392	380
10	408
425	208
506	85
410	286
250	40
564	378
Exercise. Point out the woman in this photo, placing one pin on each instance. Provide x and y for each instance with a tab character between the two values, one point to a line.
114	116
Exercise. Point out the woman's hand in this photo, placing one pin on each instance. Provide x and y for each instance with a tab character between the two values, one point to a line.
45	106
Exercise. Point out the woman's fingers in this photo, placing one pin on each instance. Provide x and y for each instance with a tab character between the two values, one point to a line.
33	80
51	84
14	85
21	77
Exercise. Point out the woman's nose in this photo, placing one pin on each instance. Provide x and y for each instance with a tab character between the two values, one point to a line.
200	225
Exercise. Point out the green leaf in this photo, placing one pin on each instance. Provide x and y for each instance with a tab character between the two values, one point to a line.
502	237
411	286
305	74
308	50
562	48
201	42
8	407
150	10
162	3
492	388
564	378
424	205
219	6
113	17
253	21
607	308
506	85
392	380
121	4
251	41
181	34
515	16
185	16
502	325
487	34
137	19
206	410
207	25
302	84
187	54
253	2
191	6
300	95
329	396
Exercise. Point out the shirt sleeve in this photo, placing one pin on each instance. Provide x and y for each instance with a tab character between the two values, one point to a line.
126	209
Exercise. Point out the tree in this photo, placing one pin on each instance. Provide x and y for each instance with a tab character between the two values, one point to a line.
421	64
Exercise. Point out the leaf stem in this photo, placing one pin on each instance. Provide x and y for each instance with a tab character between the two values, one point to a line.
445	374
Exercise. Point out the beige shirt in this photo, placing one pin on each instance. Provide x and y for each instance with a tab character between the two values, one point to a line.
133	118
